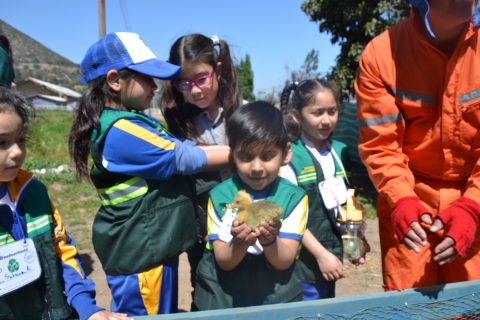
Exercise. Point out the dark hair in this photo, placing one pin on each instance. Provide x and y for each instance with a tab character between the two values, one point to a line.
191	49
257	121
87	117
304	94
5	45
14	101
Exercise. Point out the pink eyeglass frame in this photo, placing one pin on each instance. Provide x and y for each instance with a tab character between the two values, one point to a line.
194	82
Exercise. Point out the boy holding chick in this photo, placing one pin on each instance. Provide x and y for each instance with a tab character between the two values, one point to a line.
248	265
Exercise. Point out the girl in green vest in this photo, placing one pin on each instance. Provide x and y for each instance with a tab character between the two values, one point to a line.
30	221
197	105
312	117
141	173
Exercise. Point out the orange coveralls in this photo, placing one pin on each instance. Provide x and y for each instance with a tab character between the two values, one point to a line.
419	119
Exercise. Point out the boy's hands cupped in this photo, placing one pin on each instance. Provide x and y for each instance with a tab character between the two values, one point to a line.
243	234
269	231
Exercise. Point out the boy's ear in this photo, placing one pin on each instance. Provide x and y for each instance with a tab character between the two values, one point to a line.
287	154
297	117
113	80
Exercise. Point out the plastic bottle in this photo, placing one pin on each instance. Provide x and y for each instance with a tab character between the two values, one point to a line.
352	227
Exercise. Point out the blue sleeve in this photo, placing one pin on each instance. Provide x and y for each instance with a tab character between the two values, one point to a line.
80	290
139	150
189	159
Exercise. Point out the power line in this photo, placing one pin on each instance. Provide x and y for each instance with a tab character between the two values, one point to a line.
123	7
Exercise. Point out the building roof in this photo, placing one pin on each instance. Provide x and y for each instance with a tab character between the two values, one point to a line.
57	88
53	98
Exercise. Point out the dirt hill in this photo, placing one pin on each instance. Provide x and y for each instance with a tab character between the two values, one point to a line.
32	59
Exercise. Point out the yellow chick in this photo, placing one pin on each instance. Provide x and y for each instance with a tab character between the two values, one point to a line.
254	213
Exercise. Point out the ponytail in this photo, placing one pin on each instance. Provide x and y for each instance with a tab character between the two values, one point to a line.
87	117
229	93
293	129
192	49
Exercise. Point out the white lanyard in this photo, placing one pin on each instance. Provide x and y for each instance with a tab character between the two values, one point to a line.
328	176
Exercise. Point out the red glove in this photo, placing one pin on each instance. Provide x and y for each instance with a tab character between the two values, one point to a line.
462	219
404	212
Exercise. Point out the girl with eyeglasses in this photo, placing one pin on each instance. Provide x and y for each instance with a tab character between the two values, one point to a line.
197	106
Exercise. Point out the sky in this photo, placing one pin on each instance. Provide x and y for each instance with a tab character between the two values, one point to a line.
275	33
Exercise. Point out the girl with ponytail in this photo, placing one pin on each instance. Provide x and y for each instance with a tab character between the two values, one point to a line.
197	105
311	119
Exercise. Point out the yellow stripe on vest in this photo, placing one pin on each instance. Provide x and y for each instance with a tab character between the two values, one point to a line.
303	221
122	192
149	283
144	134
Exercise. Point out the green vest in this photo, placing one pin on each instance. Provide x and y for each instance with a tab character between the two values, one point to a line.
321	222
28	302
142	222
254	281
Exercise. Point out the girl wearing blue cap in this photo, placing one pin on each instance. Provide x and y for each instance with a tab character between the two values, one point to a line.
140	171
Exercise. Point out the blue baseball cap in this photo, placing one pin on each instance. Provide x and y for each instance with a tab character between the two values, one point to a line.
423	8
121	50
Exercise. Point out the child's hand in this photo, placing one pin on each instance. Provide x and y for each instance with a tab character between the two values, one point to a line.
332	269
362	259
242	234
105	315
269	231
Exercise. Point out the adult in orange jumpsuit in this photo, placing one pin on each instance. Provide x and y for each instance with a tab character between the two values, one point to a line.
418	102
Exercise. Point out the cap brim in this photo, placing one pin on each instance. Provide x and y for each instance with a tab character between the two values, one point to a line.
83	80
157	69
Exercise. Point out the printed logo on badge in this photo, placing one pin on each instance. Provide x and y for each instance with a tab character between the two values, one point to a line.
29	256
13	265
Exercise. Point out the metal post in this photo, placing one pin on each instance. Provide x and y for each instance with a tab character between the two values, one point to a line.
101	19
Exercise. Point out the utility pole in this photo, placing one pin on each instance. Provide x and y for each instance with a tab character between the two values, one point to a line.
101	19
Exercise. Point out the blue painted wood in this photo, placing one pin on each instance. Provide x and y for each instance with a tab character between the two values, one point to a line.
345	305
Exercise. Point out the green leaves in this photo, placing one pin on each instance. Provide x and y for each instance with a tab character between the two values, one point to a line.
245	78
352	24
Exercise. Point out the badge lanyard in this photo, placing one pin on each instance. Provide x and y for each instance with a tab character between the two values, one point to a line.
328	176
208	126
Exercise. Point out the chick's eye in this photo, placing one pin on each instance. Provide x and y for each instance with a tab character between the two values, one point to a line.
238	201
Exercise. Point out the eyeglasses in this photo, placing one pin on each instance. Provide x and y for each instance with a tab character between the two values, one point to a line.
200	82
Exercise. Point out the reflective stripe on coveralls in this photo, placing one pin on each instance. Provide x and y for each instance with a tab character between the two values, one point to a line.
415	148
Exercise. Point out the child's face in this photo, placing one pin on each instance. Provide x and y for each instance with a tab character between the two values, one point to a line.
138	92
12	144
258	164
320	118
206	97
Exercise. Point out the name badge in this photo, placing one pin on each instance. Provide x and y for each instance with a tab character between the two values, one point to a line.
19	265
327	192
225	233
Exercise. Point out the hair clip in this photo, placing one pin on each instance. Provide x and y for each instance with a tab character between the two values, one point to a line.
300	84
215	40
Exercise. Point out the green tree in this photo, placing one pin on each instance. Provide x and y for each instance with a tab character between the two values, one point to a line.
306	71
245	78
352	24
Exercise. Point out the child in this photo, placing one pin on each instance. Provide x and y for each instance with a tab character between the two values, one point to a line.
248	268
29	219
7	74
147	217
198	104
316	105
